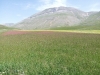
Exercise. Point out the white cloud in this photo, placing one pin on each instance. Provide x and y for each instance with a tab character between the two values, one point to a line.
51	3
95	7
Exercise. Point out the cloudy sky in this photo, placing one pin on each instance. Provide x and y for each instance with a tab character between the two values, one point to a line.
13	11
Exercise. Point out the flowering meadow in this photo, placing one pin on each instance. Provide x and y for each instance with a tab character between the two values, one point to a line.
49	53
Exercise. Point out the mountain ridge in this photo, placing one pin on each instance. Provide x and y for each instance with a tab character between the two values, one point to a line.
54	17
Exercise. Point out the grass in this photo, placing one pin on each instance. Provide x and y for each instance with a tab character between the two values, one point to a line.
50	53
75	31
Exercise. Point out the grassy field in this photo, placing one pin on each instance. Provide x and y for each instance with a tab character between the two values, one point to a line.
75	31
49	53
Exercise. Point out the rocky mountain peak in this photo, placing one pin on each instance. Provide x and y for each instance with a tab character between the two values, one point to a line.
61	9
54	17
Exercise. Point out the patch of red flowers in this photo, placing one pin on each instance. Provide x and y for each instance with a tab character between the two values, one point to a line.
15	32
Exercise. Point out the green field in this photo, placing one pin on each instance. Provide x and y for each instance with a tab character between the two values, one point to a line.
50	53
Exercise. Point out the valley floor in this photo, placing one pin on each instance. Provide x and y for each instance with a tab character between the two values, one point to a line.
76	31
50	52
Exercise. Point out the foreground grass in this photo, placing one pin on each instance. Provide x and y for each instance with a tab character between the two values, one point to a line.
50	53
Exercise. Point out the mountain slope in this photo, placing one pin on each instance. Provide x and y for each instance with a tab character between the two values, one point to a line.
9	24
93	19
3	27
91	23
53	17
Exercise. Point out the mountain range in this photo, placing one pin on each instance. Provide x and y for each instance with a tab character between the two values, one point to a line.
9	24
59	17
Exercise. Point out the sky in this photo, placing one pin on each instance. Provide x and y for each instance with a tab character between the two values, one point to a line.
14	11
